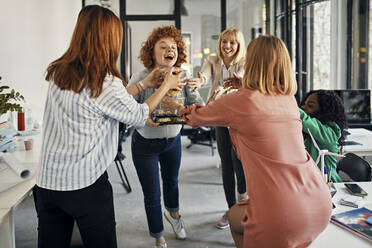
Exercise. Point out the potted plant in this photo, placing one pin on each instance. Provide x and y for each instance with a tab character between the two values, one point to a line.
8	101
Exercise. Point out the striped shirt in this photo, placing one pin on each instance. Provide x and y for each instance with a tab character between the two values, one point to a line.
80	133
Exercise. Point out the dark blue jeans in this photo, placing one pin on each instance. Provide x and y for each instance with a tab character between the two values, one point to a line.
146	155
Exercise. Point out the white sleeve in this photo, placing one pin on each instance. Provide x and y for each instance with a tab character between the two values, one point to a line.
116	103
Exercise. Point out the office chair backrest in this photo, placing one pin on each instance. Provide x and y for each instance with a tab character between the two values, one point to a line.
355	167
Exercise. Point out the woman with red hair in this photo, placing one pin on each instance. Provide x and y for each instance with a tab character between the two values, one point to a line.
86	100
160	145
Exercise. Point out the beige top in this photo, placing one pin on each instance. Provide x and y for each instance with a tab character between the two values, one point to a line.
289	204
212	70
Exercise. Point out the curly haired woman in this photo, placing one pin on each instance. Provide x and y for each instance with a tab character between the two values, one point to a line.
322	112
153	144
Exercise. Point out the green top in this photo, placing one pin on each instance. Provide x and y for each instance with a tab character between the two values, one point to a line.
326	136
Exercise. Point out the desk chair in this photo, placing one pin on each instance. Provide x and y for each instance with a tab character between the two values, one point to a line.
355	167
201	136
123	134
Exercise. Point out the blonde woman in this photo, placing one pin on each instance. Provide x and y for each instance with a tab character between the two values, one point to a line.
289	204
228	63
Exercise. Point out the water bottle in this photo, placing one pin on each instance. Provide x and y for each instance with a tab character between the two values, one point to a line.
28	118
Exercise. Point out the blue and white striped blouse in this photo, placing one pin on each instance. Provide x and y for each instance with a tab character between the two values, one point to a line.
80	133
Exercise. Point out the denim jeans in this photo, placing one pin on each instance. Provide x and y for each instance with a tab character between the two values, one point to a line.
146	155
231	165
92	208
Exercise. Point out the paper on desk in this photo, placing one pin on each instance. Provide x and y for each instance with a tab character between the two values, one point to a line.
15	165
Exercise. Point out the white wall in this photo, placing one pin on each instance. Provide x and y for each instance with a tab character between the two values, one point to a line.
33	34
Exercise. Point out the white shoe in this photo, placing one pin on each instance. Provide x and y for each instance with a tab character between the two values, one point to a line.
160	245
223	223
177	225
243	196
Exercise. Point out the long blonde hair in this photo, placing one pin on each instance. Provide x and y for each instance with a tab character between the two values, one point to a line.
268	67
93	52
232	34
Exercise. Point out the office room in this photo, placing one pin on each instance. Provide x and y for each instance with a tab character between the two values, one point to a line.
222	185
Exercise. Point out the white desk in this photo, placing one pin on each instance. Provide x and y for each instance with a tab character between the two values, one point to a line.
335	236
361	136
10	198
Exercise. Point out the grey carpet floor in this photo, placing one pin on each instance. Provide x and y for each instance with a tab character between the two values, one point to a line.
202	203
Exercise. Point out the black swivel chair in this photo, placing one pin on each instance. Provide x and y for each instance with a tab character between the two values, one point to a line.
355	167
123	134
201	136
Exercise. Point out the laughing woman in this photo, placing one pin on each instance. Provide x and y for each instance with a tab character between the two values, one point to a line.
228	63
153	144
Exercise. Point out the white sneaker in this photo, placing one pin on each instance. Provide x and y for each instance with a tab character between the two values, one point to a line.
177	225
160	245
243	196
223	223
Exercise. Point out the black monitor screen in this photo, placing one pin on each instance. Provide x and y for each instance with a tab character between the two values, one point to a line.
357	104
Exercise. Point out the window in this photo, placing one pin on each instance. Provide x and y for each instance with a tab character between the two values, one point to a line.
359	44
318	45
245	16
370	47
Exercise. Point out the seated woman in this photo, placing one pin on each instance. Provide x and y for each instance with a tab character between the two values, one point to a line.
289	204
322	112
153	144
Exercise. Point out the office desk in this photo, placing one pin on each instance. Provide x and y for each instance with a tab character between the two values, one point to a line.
335	236
361	136
10	198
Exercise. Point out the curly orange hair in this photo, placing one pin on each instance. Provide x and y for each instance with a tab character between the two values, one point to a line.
147	49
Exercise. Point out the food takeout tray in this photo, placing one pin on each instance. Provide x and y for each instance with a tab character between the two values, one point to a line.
168	119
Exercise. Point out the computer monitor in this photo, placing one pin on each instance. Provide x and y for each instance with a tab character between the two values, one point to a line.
357	104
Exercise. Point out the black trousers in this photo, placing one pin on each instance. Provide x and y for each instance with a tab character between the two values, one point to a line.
92	208
231	165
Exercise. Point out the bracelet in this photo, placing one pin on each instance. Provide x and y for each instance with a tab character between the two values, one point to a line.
142	85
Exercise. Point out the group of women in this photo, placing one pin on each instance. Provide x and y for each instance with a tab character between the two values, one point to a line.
288	205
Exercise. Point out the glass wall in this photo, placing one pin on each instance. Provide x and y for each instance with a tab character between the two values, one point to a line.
145	7
136	39
370	47
201	26
322	45
359	53
318	23
293	35
246	15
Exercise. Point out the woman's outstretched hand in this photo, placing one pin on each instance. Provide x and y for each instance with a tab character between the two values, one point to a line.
173	80
153	79
233	82
195	83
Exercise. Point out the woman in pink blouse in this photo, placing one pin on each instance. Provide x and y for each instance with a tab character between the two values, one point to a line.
289	203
